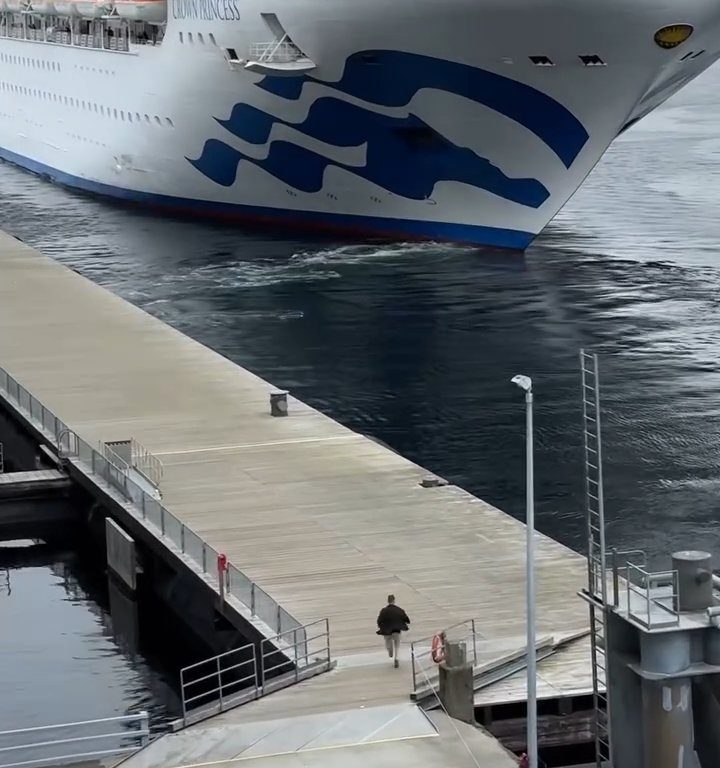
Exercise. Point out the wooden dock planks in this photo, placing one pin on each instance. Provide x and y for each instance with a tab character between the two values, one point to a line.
325	520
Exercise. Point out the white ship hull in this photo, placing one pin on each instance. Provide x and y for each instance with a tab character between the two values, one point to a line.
416	118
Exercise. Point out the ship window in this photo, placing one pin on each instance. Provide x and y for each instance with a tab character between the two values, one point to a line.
180	34
212	39
200	38
169	122
137	116
147	118
542	61
130	117
157	120
122	115
592	60
699	53
190	38
115	114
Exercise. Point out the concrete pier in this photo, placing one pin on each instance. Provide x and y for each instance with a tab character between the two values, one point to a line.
324	520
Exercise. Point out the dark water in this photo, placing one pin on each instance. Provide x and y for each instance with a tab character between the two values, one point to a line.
416	344
71	644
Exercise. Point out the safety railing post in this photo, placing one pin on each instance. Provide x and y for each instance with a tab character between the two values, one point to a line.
162	523
204	558
295	645
182	696
220	684
412	662
327	636
474	642
145	725
262	667
616	578
182	539
278	619
252	599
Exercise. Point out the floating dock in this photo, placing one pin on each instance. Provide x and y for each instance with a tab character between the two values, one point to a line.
323	520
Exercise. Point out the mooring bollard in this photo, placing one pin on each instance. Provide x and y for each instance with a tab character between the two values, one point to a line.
278	404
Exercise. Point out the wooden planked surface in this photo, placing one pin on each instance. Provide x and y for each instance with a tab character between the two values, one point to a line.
35	476
325	520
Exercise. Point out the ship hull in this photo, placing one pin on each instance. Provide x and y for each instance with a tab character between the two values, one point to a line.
394	133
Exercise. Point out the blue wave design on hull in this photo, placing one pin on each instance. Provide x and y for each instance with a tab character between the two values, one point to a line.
392	78
404	155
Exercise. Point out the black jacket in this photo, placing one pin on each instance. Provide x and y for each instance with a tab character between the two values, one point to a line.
392	619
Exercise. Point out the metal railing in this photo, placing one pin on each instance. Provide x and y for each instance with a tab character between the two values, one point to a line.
219	681
74	742
249	672
620	564
145	463
649	591
423	666
277	51
147	508
10	27
130	454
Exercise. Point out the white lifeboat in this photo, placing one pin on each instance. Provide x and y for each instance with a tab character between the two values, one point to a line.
92	9
43	7
66	8
150	11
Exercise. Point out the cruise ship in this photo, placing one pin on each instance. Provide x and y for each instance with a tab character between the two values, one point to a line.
463	120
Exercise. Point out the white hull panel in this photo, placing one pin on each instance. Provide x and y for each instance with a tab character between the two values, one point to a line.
422	118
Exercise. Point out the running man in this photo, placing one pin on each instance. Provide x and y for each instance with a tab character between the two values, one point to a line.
391	621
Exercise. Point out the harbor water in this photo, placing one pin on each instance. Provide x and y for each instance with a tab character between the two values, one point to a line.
415	344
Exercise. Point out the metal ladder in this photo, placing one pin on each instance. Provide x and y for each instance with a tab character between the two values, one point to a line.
597	583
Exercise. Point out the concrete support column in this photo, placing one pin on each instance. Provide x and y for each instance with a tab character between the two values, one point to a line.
667	703
456	684
668	724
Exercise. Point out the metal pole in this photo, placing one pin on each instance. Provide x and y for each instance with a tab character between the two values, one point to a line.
532	745
475	659
182	696
220	684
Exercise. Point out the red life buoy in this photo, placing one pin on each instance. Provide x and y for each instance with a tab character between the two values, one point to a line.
438	649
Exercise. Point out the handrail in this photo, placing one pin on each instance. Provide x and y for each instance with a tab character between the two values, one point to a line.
417	656
275	51
21	753
224	690
145	463
617	569
147	508
649	583
137	458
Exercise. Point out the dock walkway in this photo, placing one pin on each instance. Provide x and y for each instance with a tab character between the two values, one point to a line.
324	519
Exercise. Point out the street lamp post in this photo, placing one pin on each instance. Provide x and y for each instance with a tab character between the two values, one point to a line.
525	383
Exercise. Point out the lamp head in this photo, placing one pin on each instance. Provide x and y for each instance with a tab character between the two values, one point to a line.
524	382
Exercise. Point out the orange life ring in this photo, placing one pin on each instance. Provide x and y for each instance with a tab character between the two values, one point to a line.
438	649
